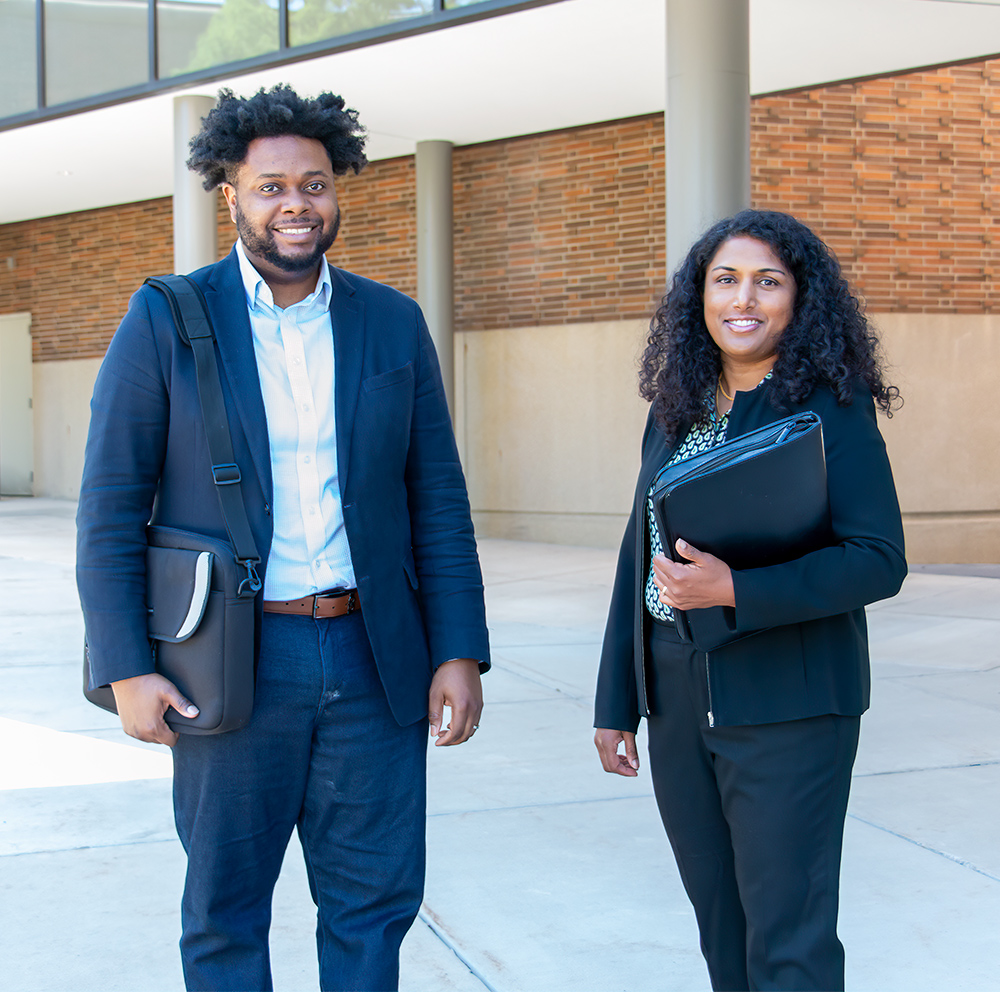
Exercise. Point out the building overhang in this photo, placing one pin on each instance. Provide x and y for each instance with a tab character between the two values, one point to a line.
561	65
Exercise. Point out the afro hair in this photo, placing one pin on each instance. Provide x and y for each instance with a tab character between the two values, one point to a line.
229	127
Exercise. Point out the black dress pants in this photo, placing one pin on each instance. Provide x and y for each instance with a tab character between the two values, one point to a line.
755	816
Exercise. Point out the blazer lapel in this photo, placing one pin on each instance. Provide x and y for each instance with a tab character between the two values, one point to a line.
226	300
347	315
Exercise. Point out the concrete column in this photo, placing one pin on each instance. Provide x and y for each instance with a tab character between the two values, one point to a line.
707	118
435	253
195	238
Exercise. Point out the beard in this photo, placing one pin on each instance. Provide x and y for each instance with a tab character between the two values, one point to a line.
263	245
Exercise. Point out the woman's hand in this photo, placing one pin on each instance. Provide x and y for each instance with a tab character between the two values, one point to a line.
706	581
607	742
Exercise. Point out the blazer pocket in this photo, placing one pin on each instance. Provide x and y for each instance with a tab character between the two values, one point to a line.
403	374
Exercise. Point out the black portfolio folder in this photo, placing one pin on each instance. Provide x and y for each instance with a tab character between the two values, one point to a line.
758	499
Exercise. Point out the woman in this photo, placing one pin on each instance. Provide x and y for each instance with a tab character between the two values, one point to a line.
751	746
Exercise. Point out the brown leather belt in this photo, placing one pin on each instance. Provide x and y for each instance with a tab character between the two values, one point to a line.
323	606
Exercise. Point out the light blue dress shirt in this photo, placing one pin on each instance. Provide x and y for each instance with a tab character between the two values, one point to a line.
294	351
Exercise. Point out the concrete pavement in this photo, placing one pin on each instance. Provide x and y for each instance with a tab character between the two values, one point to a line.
544	873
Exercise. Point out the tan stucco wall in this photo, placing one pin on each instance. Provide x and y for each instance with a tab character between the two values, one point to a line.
549	424
62	393
943	442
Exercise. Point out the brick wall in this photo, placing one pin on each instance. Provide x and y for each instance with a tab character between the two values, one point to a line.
895	173
76	273
561	227
378	236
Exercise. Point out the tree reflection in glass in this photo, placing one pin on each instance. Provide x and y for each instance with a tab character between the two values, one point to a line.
198	34
316	20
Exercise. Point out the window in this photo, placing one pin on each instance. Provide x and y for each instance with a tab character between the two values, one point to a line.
18	79
199	34
94	46
97	51
316	20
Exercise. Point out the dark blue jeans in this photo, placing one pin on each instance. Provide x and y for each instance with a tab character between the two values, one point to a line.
322	753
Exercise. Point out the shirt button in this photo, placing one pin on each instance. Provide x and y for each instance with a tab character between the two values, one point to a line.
305	406
307	459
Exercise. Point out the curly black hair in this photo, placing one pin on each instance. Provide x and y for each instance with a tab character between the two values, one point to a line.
827	341
229	127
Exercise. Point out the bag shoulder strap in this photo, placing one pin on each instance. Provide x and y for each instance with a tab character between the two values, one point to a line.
187	306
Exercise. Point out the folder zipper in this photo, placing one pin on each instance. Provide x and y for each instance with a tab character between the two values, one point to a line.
749	449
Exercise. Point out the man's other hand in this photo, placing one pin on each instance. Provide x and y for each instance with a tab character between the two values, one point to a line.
143	700
455	684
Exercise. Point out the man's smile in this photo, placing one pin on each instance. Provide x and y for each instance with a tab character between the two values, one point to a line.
292	230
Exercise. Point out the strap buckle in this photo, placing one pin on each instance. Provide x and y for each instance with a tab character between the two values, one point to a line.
251	585
226	475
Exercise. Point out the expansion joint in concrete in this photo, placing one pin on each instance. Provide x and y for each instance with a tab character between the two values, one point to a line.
930	768
927	847
449	943
555	802
87	847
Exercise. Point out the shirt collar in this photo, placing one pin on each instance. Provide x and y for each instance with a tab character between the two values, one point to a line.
259	296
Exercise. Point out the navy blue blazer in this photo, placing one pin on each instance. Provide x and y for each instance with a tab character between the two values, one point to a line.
809	656
406	509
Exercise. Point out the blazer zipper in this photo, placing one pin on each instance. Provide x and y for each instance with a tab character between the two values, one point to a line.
708	680
641	541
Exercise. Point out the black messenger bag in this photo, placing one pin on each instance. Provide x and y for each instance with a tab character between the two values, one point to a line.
200	590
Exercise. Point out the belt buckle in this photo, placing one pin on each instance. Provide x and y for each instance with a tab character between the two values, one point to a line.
352	600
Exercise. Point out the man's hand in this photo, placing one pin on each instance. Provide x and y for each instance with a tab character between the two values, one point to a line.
456	684
607	742
707	581
143	700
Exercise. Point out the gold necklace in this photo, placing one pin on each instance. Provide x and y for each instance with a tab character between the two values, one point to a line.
722	389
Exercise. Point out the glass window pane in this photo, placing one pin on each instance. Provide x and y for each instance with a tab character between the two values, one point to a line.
317	20
18	85
197	34
94	46
452	4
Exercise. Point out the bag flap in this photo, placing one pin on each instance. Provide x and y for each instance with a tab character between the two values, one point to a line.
177	587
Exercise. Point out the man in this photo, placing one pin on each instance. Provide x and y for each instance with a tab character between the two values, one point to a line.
353	485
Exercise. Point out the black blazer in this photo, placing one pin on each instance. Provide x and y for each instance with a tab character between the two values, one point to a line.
810	655
405	505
